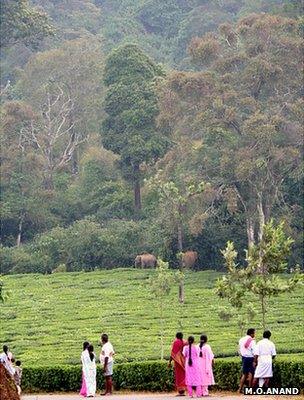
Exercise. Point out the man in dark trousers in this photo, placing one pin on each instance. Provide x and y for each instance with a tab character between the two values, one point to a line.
106	359
246	351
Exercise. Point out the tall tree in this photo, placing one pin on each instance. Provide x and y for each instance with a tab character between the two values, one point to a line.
244	106
129	128
52	134
75	68
24	209
183	200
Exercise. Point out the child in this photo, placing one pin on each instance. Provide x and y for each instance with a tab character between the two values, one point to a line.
206	360
193	372
18	376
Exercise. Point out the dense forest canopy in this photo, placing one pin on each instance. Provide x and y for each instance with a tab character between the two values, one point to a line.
147	126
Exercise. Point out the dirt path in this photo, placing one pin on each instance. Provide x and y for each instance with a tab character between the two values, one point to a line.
152	396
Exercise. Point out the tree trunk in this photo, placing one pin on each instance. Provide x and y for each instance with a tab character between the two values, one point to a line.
250	232
48	180
180	239
181	291
161	331
263	307
75	163
181	288
261	217
137	194
20	225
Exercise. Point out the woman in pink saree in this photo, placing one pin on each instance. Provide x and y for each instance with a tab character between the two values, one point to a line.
179	363
206	361
193	371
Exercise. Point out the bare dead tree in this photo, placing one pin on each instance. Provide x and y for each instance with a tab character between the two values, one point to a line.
53	134
4	89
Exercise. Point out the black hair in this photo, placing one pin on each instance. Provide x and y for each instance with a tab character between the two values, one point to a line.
203	340
85	345
190	342
18	363
250	331
266	334
104	337
5	349
91	352
179	335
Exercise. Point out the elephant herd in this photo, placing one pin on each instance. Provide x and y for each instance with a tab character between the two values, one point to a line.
147	260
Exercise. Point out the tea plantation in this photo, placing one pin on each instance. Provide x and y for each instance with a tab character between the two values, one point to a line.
45	318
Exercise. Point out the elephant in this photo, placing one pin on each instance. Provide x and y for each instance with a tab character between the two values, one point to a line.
189	259
145	260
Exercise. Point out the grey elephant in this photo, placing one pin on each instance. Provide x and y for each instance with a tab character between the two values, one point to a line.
189	259
145	260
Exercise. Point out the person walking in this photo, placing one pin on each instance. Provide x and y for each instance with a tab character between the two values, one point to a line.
206	361
192	367
179	363
264	353
246	350
107	360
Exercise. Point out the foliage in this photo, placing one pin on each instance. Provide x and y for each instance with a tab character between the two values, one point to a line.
22	23
207	121
260	275
152	376
233	108
83	246
118	302
131	105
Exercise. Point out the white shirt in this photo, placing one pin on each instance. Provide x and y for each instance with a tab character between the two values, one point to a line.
265	347
6	361
246	351
106	351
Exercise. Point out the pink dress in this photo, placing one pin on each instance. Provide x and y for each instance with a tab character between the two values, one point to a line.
193	372
205	363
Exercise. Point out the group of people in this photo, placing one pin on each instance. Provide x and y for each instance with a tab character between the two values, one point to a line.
12	366
193	363
88	360
256	359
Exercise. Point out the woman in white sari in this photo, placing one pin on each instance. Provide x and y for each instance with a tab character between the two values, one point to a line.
88	357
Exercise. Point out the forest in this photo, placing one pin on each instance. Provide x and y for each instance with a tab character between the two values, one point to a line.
148	126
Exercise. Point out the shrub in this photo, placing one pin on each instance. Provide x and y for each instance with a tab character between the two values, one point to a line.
25	260
152	376
79	246
60	268
84	246
22	260
124	240
6	259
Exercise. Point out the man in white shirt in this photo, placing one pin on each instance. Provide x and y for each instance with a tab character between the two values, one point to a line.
246	350
106	359
264	353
